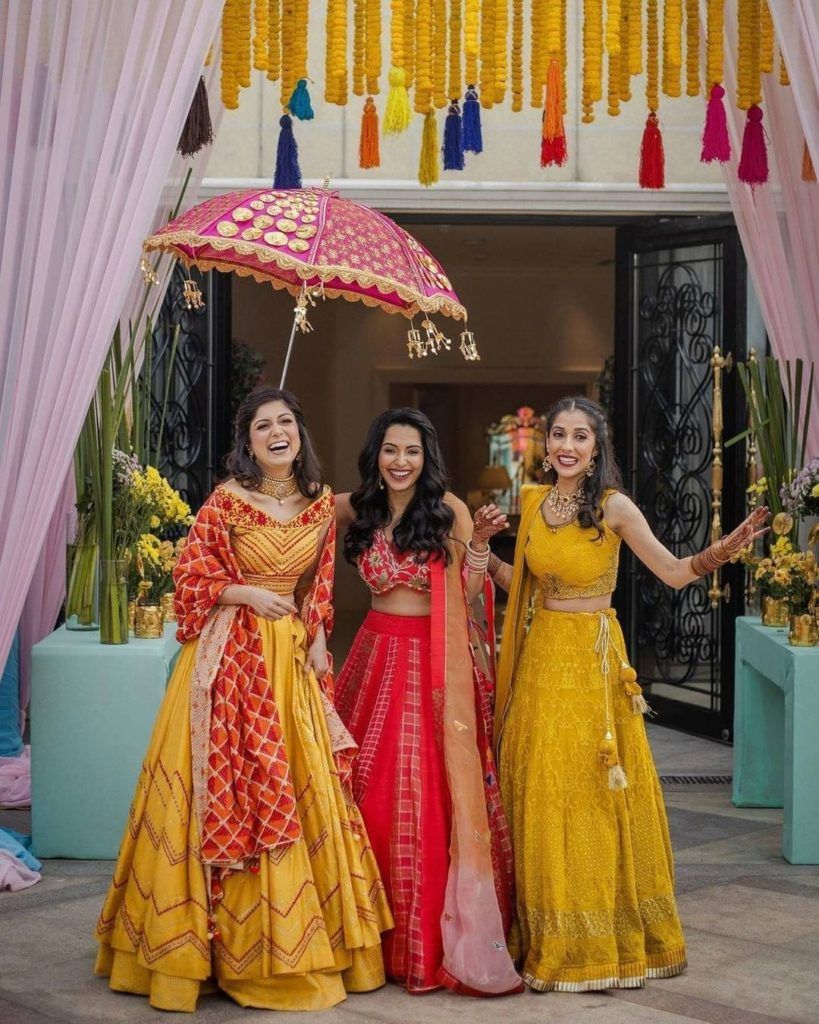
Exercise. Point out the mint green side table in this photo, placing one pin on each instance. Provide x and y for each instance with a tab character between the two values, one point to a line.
776	733
92	712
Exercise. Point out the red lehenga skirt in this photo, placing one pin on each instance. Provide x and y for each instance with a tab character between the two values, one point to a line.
388	698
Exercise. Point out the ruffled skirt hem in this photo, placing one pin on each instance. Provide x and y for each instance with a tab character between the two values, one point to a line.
609	976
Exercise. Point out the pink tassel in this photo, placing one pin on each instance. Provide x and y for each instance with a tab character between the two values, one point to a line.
652	155
753	163
715	142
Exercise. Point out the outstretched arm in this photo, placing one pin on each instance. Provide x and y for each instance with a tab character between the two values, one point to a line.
623	516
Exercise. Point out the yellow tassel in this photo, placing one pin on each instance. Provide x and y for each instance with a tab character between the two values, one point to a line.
617	777
428	172
397	115
607	751
627	674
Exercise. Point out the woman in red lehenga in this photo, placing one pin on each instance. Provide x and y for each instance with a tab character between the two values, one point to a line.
416	694
245	862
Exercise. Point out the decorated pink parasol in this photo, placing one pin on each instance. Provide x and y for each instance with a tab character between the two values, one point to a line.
318	245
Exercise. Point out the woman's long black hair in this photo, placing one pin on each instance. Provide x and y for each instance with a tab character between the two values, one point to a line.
307	468
606	473
427	521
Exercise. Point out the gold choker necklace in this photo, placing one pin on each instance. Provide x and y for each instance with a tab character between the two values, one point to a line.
278	487
564	506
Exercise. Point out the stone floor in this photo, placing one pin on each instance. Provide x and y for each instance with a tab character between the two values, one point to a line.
751	921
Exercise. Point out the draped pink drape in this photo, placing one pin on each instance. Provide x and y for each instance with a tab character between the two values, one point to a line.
778	223
93	96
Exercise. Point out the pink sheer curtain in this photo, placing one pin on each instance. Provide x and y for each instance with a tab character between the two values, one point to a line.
93	96
778	223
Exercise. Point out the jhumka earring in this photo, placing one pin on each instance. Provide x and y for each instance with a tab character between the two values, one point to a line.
381	483
591	467
547	464
250	454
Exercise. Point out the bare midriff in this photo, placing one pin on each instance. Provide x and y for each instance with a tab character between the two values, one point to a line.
577	604
402	601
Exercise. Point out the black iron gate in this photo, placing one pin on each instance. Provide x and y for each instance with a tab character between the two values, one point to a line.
197	428
680	306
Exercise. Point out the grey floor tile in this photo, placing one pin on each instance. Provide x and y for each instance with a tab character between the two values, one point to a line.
753	914
693	828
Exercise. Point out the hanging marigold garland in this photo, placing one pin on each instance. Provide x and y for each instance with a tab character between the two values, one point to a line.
553	142
716	144
359	45
423	55
439	53
409	42
487	73
372	46
766	50
652	155
397	115
592	57
335	86
501	60
517	55
672	48
288	59
613	48
229	83
274	28
472	21
692	48
300	42
455	90
753	161
538	58
624	92
260	28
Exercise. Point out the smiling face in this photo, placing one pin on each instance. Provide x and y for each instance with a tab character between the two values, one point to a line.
274	438
571	445
401	457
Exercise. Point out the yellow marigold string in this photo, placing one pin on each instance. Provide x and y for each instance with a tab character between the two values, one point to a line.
471	45
439	53
624	91
359	36
692	48
784	79
409	42
455	90
487	83
766	55
613	31
517	55
672	48
260	15
592	57
715	26
230	55
749	81
613	93
274	28
336	53
538	60
288	58
501	63
372	46
423	55
300	41
652	58
635	37
397	33
243	53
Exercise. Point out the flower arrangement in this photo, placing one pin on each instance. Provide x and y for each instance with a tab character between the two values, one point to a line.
801	496
156	560
787	574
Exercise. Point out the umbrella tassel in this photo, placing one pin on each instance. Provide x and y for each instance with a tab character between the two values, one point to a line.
288	172
428	171
368	153
198	130
453	139
473	137
753	162
397	115
299	105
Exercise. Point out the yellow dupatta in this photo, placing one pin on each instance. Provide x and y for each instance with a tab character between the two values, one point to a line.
517	606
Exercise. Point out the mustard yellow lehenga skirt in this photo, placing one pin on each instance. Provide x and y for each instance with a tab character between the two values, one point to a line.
298	934
593	866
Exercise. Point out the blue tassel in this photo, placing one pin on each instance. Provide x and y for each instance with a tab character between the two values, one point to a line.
453	139
299	105
288	172
473	140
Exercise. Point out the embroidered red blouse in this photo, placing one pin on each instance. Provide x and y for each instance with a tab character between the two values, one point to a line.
383	568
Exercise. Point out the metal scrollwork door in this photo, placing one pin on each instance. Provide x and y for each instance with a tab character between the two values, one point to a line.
680	327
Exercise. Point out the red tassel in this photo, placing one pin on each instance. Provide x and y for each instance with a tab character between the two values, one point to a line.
652	156
553	151
753	163
368	153
808	170
715	142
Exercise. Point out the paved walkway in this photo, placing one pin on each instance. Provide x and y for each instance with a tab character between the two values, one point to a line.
751	921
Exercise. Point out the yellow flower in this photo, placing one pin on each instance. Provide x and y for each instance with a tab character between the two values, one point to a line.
155	522
815	491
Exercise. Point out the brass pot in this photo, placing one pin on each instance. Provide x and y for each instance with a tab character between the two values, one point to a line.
149	624
166	603
804	631
775	611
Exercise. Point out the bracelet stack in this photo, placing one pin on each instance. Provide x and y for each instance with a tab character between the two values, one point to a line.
494	564
477	561
708	561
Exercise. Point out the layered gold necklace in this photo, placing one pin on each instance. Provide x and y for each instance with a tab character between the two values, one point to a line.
278	487
564	506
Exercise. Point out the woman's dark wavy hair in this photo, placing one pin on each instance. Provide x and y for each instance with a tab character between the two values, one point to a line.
606	473
239	464
427	521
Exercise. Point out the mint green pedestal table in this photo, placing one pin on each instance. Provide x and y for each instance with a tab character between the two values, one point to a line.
92	711
776	733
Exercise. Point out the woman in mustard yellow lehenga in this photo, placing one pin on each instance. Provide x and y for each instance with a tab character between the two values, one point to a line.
245	863
593	864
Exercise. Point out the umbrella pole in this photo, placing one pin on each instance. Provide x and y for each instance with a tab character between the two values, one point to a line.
289	350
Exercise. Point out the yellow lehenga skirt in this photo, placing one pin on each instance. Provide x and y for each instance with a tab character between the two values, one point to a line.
298	934
593	865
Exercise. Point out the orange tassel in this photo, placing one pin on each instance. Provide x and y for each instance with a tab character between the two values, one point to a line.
368	153
808	170
553	144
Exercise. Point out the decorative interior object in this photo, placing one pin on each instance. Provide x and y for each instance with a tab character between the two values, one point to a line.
168	611
517	442
149	624
775	611
804	630
493	481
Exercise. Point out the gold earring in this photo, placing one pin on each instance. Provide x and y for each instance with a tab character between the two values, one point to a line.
591	467
381	483
547	464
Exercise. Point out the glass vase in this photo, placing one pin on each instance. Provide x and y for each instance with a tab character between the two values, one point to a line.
113	601
82	587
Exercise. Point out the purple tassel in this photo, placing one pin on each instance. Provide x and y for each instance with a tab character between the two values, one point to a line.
473	138
288	172
453	139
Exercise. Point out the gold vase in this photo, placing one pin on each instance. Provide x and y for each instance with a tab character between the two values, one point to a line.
803	631
166	603
131	615
148	624
775	611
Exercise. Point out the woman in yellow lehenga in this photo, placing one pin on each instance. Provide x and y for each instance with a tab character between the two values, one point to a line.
245	862
593	864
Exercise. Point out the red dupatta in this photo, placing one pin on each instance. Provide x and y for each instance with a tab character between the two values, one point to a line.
243	792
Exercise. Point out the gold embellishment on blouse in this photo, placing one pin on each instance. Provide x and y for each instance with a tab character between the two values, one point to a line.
553	588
